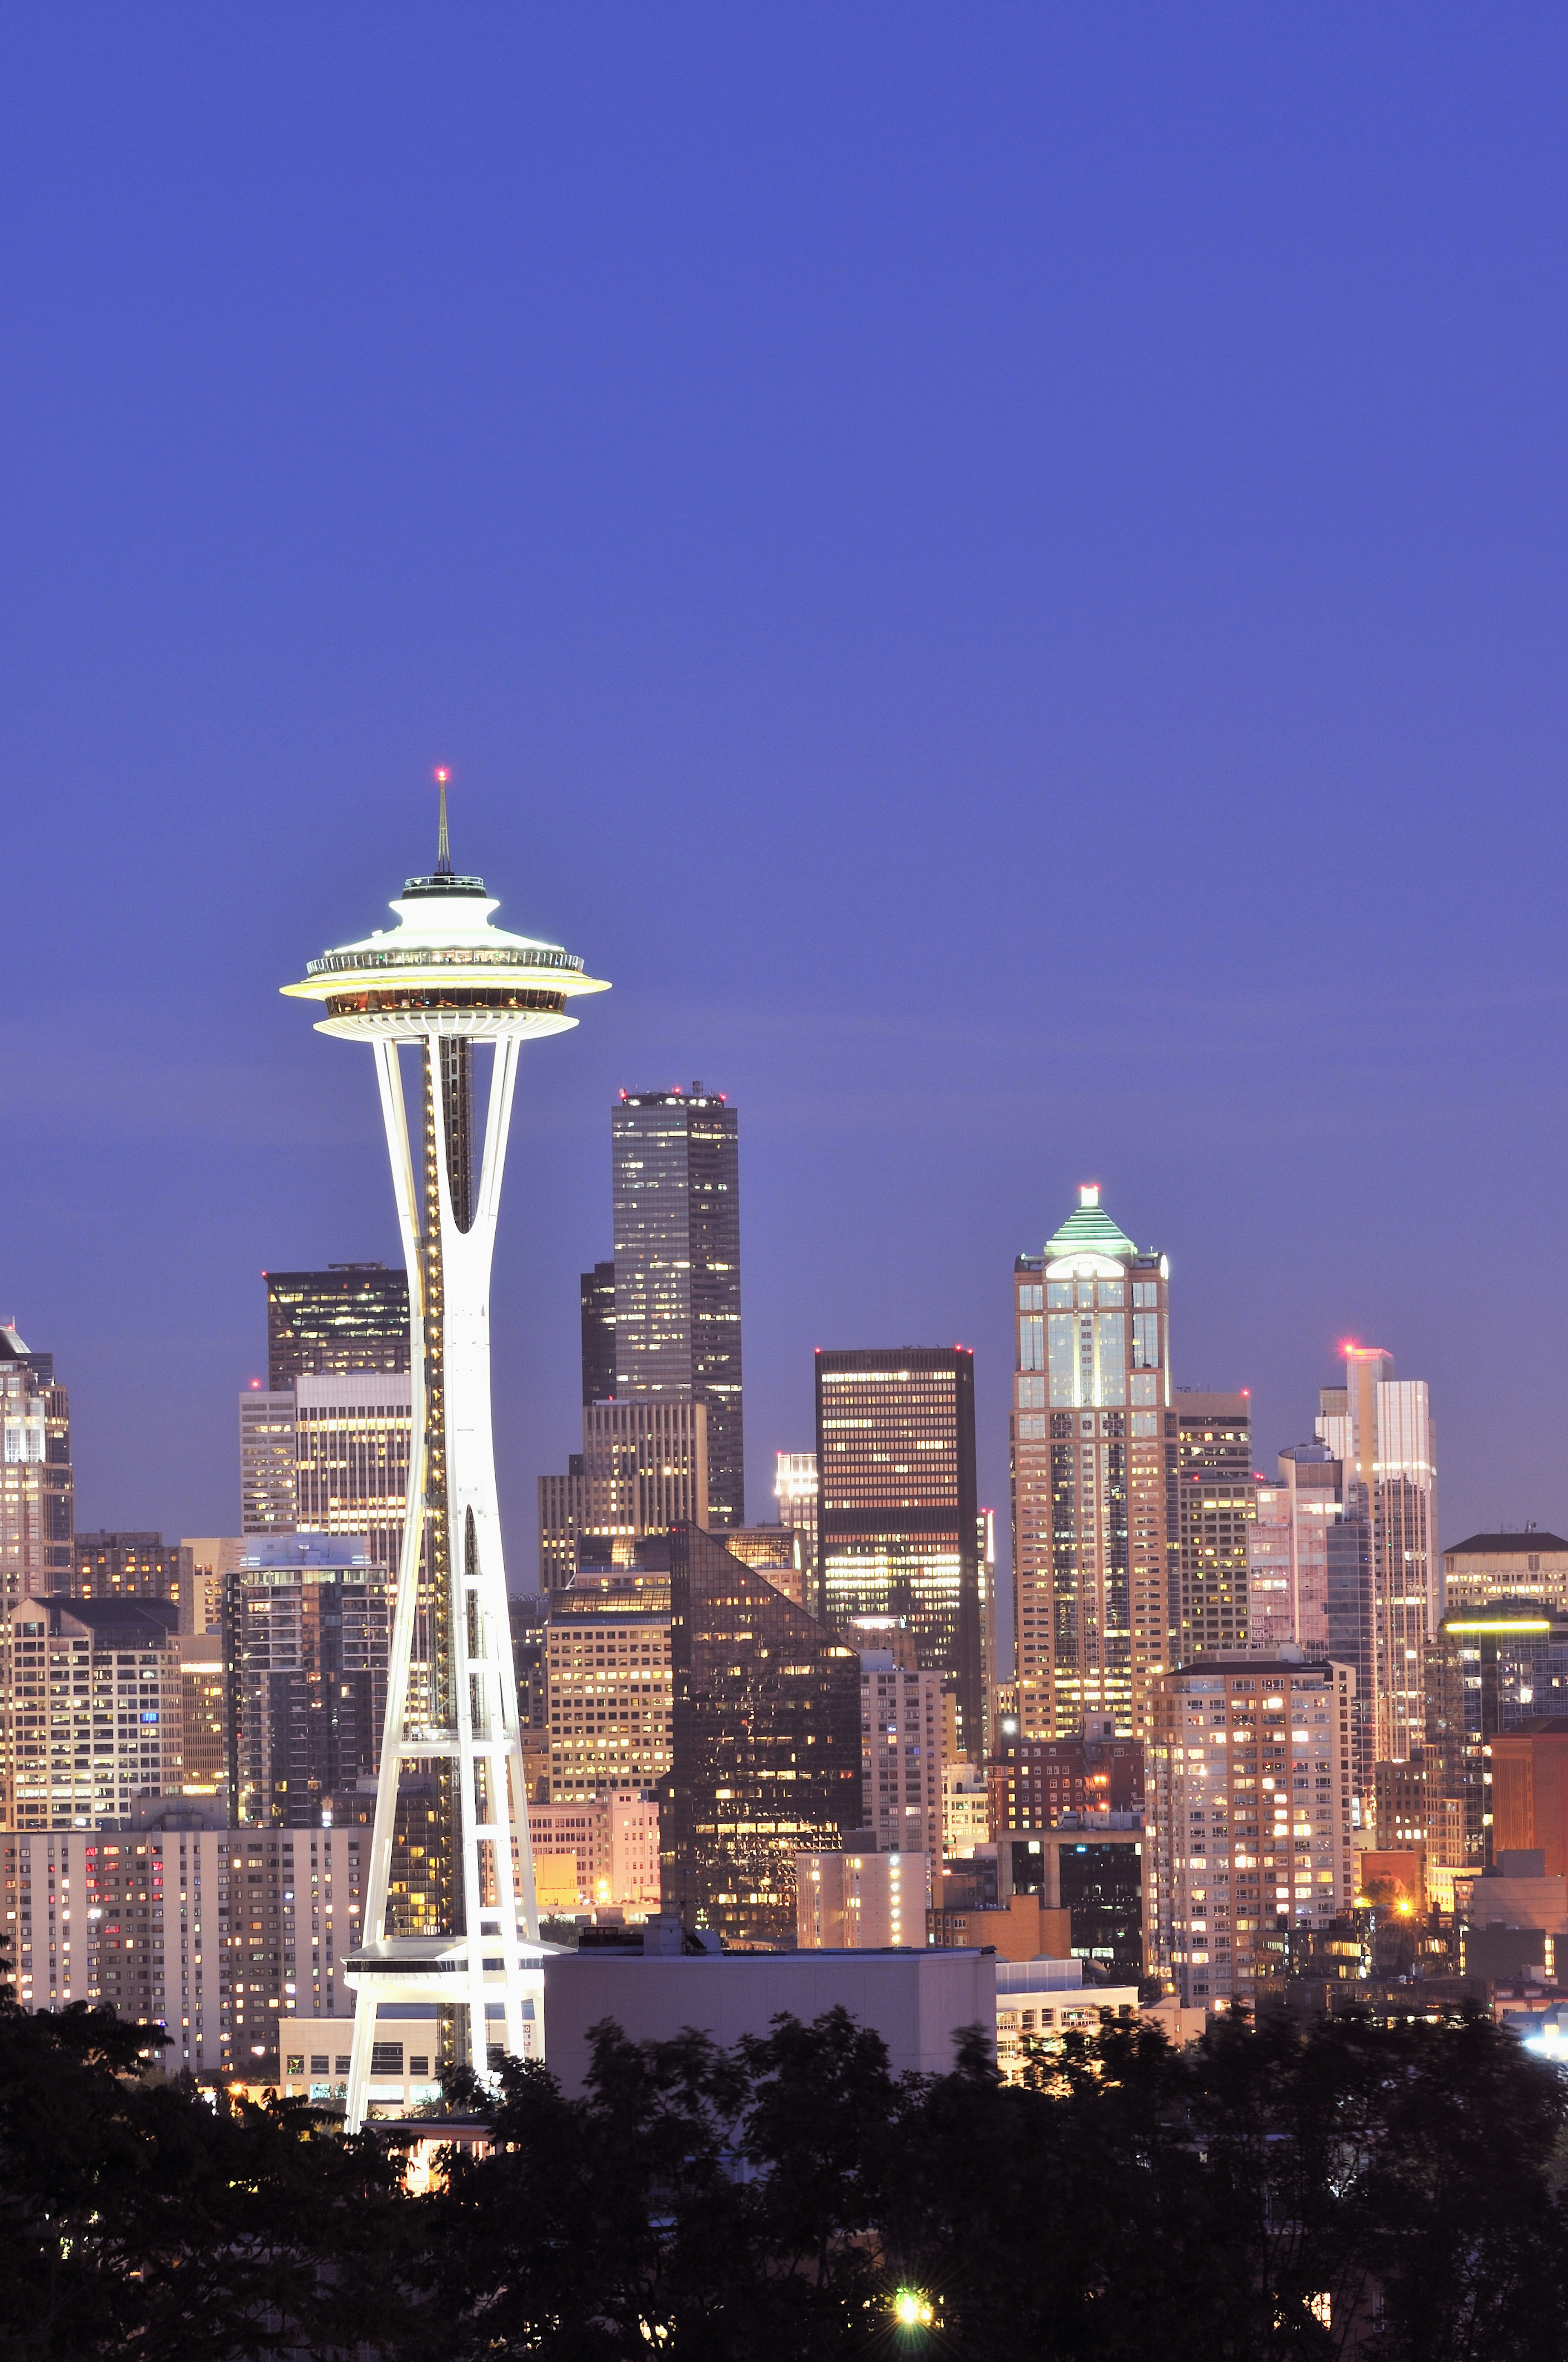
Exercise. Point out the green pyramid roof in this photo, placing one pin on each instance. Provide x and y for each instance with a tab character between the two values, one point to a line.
1088	1230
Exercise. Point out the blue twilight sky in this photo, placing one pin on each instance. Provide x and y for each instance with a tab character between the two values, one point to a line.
1000	571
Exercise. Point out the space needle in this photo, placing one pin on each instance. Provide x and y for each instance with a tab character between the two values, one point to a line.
459	1927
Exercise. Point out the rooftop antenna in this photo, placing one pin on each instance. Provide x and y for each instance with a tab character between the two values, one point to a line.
443	851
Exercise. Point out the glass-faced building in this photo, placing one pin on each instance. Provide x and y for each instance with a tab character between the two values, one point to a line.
306	1646
765	1759
676	1334
1380	1427
352	1316
898	1527
1094	1459
1490	1671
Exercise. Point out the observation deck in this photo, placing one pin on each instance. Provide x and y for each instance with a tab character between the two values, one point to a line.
446	969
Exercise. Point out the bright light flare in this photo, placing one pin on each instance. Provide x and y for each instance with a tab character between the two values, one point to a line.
913	2310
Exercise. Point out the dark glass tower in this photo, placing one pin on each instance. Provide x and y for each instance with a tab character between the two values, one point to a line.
352	1316
898	1523
596	1292
676	1159
764	1741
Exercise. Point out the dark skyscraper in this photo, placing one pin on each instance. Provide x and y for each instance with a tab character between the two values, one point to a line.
133	1566
765	1741
676	1159
352	1316
898	1522
597	1295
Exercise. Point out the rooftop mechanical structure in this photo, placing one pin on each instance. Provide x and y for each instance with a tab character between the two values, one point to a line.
450	1916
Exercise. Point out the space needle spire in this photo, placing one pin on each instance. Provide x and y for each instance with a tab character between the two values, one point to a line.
457	1925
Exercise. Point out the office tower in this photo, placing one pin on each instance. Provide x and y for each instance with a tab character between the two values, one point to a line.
986	1569
1530	1792
776	1551
352	1316
448	984
1527	1564
214	1558
135	1566
1215	1506
795	1491
1491	1670
269	1474
1381	1428
897	1516
766	1743
353	1442
642	1470
900	1757
90	1711
1035	1782
1310	1581
208	1933
1250	1797
860	1902
607	1666
676	1161
307	1647
1095	1873
37	1502
1094	1447
203	1723
596	1294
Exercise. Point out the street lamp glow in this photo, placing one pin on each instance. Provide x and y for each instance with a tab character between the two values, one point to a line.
912	2310
444	982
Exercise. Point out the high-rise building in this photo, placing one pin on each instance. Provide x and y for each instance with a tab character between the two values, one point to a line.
1093	1870
897	1520
204	1722
448	984
675	1170
1381	1428
353	1439
596	1291
209	1933
307	1648
135	1566
607	1667
214	1558
1215	1504
642	1470
352	1316
268	1461
1310	1581
795	1491
1523	1564
1249	1781
1094	1455
1490	1671
900	1757
329	1455
37	1501
90	1711
766	1743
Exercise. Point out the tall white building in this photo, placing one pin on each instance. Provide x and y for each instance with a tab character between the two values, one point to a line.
901	1754
1381	1428
448	984
1250	1786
